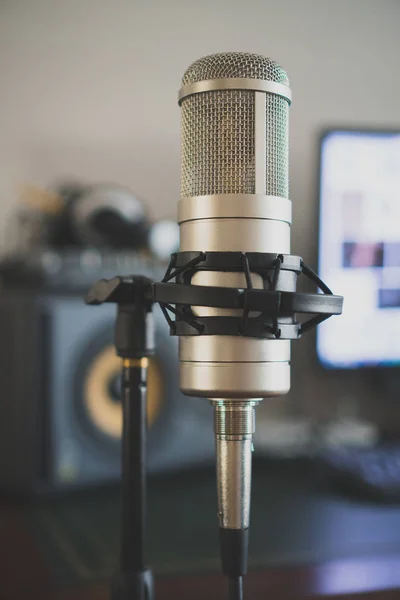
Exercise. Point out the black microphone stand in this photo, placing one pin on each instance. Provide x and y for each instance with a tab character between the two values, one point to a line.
134	343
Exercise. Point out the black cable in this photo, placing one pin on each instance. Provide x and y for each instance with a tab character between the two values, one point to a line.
236	588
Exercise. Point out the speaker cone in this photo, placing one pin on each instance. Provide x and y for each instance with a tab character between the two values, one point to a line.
102	392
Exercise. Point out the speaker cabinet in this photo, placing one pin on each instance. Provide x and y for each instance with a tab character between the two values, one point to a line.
60	413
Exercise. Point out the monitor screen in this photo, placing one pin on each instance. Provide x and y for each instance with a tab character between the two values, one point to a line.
359	247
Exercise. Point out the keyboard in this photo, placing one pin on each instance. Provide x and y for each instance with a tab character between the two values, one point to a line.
372	473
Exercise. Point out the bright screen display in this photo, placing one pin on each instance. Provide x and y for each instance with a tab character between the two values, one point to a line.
359	247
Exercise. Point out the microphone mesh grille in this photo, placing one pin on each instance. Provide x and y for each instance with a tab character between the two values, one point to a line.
218	138
277	146
218	143
235	64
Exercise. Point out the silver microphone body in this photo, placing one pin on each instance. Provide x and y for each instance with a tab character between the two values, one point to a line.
234	198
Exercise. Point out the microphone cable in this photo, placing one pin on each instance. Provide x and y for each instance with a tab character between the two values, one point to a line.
236	588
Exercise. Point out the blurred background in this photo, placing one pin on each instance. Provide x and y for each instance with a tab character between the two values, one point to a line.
89	184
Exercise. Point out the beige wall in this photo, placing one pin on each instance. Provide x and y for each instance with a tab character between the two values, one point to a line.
88	87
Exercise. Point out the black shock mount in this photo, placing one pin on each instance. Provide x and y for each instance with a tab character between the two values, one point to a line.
268	305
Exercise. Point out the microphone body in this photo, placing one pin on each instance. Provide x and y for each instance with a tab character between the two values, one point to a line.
234	198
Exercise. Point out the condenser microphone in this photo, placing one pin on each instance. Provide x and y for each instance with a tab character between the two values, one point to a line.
234	200
230	292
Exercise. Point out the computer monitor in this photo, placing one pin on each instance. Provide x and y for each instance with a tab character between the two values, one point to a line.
359	247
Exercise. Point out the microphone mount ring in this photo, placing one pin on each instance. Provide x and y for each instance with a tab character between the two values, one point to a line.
277	303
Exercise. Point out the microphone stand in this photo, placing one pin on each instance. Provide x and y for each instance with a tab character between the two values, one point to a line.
278	303
134	343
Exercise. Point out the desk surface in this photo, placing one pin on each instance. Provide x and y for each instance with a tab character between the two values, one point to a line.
305	543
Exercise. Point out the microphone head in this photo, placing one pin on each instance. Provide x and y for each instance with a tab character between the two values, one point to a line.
218	127
235	64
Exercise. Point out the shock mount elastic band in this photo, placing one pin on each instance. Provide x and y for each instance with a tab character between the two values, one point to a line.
267	312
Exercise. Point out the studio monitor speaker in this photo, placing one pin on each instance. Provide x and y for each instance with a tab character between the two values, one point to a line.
60	413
